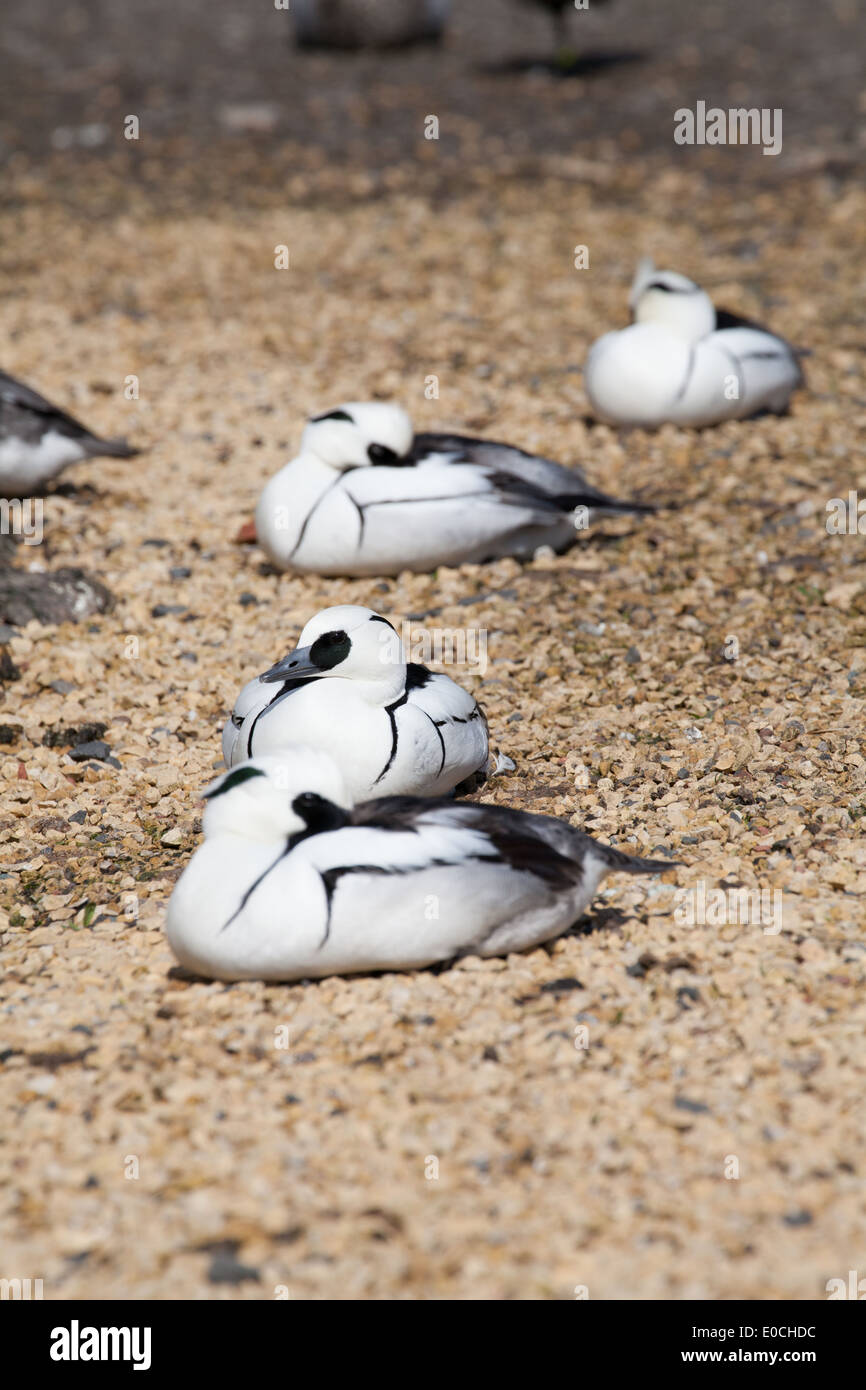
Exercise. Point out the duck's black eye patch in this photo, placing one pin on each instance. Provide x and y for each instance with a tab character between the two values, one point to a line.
380	453
234	779
332	415
330	649
318	813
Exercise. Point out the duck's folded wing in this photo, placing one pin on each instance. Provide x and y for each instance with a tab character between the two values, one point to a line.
745	342
539	845
725	319
25	413
542	845
546	475
567	488
438	695
438	480
764	354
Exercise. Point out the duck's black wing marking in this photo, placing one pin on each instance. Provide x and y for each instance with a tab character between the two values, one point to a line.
516	841
332	877
417	676
288	687
437	725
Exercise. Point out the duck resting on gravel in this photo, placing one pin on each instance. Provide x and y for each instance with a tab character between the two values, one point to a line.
685	362
347	689
290	883
366	496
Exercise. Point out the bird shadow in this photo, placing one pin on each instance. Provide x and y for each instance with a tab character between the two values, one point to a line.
573	65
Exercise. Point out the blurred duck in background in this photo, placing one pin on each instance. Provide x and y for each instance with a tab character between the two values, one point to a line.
683	361
38	440
352	24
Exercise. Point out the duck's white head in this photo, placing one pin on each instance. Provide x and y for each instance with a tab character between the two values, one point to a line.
295	792
672	300
359	434
349	642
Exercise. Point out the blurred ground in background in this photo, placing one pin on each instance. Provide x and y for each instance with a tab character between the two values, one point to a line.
229	108
305	1167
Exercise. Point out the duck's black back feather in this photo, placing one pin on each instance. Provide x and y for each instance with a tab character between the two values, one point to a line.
540	845
512	470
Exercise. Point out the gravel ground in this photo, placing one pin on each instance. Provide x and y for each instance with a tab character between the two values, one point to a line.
690	685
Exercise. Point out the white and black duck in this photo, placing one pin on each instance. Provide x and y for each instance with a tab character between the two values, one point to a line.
683	361
292	883
367	496
392	727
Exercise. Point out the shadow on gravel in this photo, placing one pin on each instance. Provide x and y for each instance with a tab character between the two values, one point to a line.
583	65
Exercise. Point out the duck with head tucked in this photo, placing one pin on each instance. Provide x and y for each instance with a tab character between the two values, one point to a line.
368	496
685	362
292	883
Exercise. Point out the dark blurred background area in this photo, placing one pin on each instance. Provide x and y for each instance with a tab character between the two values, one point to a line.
231	105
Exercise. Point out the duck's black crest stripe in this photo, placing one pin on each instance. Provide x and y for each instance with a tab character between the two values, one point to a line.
234	779
332	415
286	688
377	618
391	710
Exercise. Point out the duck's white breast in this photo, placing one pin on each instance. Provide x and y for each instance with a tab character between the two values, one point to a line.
288	908
329	715
633	377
